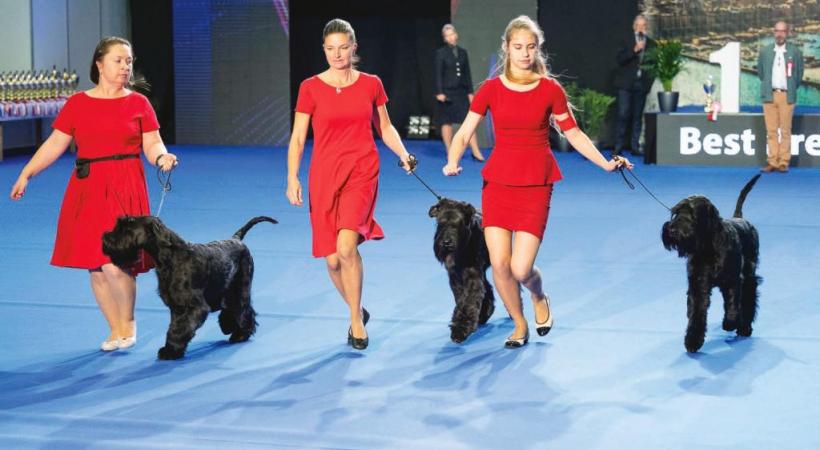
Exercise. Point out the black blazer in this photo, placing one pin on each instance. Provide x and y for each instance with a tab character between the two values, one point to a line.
628	62
452	74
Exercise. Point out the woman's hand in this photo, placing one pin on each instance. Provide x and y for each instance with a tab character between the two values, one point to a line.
451	169
166	161
19	188
408	163
618	161
294	192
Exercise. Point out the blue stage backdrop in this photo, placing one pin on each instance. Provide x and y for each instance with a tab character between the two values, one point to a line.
232	72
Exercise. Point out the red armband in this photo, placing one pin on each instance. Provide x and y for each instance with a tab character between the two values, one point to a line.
567	124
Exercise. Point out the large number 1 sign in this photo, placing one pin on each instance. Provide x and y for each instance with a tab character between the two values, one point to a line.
729	59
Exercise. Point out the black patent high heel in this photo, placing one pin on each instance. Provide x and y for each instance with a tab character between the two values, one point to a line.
543	328
359	343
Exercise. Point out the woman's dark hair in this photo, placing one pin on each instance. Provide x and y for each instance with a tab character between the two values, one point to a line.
344	27
136	82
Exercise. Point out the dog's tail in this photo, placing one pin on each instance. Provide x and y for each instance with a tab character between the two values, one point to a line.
240	234
743	193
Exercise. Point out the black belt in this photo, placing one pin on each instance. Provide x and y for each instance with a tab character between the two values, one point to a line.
779	90
83	165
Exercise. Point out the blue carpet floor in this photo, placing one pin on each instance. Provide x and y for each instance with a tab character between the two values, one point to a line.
613	373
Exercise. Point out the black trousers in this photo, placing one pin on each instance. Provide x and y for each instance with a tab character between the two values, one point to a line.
630	116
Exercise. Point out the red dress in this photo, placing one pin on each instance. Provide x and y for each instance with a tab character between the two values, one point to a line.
344	169
521	170
102	127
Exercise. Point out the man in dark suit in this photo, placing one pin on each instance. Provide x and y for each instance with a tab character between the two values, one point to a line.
454	88
633	84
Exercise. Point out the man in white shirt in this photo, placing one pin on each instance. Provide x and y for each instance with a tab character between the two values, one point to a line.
780	69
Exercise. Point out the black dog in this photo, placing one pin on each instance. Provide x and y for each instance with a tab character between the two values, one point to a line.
720	253
459	245
194	279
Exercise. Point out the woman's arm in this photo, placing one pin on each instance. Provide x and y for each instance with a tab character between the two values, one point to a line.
581	142
295	150
49	151
391	138
155	151
460	142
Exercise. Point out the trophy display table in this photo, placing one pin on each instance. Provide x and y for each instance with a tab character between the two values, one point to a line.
38	128
687	137
34	95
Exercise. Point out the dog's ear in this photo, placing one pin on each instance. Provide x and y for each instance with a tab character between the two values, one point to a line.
708	217
470	210
155	226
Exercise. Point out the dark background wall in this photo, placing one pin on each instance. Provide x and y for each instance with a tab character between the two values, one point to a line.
152	38
396	41
582	39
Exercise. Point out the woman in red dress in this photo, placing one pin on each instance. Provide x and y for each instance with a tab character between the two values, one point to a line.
114	124
518	178
344	104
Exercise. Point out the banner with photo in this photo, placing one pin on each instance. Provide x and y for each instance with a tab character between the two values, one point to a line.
706	26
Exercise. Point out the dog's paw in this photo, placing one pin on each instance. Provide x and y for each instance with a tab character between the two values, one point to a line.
227	322
169	353
729	324
744	330
239	336
693	343
459	334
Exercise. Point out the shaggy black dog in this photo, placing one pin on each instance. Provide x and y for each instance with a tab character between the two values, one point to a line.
719	253
194	279
459	245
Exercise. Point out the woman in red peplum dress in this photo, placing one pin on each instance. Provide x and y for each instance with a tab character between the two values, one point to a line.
111	125
519	175
344	105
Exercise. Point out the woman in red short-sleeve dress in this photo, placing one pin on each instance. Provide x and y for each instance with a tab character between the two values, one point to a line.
518	177
344	105
111	123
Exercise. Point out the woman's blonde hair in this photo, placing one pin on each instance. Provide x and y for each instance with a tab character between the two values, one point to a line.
539	66
344	27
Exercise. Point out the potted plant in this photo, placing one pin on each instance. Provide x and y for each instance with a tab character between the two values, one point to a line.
589	108
664	62
594	106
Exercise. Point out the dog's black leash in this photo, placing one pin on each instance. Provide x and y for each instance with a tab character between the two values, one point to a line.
632	186
165	185
413	162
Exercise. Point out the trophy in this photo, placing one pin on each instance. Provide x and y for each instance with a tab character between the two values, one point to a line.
712	107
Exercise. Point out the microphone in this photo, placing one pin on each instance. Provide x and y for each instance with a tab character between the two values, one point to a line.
641	36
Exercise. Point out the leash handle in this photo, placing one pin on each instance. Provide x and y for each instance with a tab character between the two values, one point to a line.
411	161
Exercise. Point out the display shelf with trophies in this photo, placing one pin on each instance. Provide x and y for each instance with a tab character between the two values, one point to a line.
34	95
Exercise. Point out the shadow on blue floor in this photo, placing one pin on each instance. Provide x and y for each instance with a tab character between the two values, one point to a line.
613	373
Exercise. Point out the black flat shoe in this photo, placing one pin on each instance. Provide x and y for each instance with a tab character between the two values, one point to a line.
482	159
518	342
358	343
543	328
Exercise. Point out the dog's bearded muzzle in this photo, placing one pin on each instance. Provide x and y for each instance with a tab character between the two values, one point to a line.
447	245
